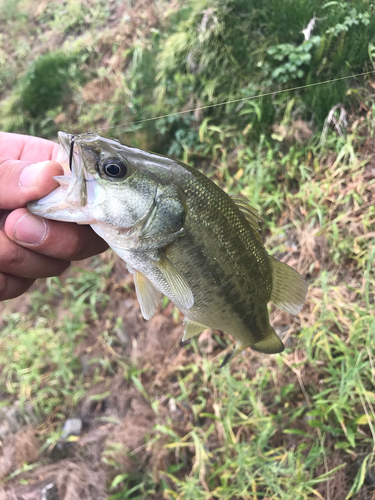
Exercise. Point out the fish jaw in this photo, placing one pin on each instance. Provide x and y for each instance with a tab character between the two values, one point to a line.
56	206
69	201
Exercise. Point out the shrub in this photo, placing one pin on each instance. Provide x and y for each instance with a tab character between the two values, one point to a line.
226	50
46	84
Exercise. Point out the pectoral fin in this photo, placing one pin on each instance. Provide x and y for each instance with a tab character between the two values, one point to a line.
176	282
192	329
289	289
148	296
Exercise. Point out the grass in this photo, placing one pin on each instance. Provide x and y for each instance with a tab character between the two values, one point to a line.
39	351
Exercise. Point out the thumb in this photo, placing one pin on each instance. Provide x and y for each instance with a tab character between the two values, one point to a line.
24	181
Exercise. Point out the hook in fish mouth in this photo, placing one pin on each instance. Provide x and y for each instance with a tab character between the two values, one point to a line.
68	202
71	151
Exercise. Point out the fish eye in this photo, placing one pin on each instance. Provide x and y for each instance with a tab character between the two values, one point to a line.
115	168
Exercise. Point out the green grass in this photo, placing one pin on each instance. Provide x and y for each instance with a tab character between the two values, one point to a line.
37	355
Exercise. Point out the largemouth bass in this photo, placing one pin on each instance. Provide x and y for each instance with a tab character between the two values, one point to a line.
180	234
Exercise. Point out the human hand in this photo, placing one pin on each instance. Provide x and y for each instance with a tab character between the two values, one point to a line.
32	247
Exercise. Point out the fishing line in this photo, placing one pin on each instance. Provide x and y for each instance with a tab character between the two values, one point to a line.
242	99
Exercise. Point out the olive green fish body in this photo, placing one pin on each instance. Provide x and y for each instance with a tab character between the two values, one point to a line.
181	235
224	263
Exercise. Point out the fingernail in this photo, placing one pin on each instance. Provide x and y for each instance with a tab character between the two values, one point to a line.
30	229
29	175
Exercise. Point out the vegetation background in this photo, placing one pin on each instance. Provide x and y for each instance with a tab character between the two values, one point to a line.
161	420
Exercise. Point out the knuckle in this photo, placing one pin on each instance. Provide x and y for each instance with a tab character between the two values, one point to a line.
11	196
5	169
16	258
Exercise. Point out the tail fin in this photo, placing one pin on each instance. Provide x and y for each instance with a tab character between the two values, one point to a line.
269	345
289	289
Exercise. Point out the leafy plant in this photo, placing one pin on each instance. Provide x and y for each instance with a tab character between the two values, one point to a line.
295	60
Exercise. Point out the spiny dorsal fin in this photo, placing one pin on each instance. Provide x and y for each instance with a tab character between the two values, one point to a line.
250	214
176	281
289	289
192	329
148	296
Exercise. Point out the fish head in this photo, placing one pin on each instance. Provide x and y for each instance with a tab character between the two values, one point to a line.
105	183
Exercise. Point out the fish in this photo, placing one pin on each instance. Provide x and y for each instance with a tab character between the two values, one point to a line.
180	235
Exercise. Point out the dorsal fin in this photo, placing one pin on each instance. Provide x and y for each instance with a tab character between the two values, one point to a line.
289	289
251	215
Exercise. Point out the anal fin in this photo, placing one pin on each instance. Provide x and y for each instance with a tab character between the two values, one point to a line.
148	296
192	329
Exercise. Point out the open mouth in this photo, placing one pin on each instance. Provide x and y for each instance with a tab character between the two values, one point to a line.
68	202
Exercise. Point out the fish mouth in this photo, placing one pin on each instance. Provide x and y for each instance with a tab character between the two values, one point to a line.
69	201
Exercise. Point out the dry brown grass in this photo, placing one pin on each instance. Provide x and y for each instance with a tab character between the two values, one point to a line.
18	449
77	481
